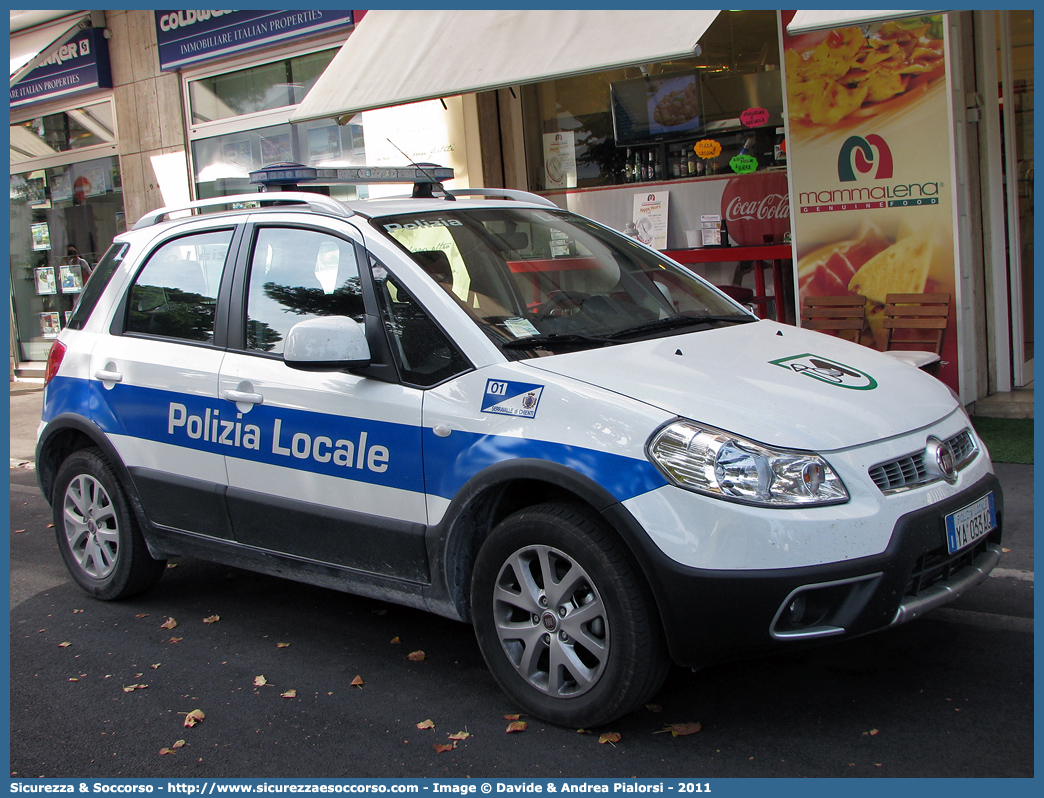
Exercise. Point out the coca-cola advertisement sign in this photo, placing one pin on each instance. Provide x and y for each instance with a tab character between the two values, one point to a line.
757	208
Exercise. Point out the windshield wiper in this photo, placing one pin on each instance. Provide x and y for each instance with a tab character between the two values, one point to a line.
674	322
555	339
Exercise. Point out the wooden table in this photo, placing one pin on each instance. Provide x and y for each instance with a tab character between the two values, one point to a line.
768	253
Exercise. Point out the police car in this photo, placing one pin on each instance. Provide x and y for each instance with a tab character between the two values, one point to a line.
478	404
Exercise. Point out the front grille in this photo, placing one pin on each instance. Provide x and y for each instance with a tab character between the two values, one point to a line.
909	471
938	565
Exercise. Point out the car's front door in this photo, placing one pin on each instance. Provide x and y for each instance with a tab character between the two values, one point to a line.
322	465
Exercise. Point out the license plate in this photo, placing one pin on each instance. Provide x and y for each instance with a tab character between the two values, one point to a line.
967	525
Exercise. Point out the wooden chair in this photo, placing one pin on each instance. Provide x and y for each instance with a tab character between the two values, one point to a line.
745	296
916	321
844	316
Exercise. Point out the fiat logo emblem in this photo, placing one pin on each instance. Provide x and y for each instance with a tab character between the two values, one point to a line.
940	459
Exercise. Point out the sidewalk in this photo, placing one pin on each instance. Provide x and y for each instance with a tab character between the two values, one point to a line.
26	404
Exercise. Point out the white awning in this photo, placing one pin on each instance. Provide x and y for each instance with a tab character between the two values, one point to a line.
397	57
36	45
805	21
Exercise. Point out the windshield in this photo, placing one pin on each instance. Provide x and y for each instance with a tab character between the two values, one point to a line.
550	281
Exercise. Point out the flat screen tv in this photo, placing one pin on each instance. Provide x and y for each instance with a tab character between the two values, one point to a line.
656	108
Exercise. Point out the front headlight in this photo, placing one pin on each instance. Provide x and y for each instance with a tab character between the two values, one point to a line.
726	466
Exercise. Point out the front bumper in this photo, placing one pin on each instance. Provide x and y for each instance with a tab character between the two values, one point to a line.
713	615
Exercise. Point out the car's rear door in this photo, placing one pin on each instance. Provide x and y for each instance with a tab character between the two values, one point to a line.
154	378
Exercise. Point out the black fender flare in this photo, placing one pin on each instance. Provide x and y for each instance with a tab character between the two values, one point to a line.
452	542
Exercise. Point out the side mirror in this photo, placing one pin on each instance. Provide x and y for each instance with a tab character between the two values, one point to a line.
325	344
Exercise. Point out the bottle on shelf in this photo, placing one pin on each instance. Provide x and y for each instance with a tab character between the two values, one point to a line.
779	150
725	232
657	165
628	173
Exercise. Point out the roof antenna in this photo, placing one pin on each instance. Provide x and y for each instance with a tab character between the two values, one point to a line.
424	190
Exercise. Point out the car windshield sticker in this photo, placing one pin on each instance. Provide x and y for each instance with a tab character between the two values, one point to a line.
828	371
511	398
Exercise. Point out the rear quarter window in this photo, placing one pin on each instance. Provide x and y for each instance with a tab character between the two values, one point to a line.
99	278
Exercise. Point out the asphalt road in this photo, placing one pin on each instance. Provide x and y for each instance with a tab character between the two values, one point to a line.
950	695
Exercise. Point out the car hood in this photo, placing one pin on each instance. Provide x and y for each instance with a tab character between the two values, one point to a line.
770	382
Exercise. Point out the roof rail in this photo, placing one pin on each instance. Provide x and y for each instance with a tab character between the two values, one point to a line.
507	193
318	203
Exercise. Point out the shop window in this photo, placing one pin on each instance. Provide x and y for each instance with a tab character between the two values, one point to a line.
45	136
573	139
223	163
175	294
260	88
297	275
78	205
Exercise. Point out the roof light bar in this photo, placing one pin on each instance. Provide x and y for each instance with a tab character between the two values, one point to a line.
288	176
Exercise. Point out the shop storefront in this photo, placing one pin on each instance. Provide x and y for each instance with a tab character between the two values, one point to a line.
66	188
679	135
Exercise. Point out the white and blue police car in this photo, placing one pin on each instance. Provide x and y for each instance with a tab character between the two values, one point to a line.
475	403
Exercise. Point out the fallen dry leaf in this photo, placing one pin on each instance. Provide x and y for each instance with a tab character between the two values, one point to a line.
516	726
357	682
75	611
175	639
682	729
260	681
512	717
584	731
165	751
415	656
19	531
142	615
609	737
212	619
194	717
50	526
170	623
178	744
130	688
441	748
155	665
291	693
282	645
426	724
395	641
460	736
66	644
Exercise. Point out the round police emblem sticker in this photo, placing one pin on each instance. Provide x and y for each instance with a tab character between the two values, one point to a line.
826	370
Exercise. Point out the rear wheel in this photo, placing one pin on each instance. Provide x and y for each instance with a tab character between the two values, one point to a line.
97	532
562	619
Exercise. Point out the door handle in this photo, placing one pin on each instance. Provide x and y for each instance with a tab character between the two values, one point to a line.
108	376
242	397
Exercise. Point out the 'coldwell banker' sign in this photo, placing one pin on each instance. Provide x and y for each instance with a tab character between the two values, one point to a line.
189	37
81	64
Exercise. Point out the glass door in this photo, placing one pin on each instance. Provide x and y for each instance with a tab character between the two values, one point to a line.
1015	61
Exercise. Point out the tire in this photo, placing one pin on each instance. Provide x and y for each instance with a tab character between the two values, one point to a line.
563	621
97	532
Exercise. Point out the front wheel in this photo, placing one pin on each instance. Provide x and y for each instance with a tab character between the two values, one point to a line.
97	532
563	621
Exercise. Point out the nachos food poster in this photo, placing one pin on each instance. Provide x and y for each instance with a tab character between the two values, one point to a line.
869	145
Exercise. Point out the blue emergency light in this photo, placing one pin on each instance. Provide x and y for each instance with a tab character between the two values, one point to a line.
426	178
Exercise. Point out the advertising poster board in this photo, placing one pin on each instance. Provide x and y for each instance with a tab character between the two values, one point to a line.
871	163
45	282
650	218
560	160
